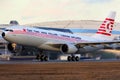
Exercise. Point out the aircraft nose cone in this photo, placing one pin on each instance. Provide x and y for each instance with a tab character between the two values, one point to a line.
3	34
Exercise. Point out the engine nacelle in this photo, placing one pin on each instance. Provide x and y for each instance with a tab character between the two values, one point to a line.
68	48
14	48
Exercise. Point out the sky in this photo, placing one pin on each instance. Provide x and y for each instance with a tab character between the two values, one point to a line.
36	11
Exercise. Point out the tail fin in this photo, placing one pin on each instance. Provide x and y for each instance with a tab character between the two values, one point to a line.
106	27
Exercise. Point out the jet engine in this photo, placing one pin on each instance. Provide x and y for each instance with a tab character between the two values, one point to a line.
14	48
68	48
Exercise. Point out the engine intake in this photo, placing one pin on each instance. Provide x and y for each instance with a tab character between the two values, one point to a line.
14	48
68	48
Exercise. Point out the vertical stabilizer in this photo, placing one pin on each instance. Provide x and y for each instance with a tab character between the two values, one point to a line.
105	29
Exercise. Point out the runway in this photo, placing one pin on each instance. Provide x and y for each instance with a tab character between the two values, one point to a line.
60	70
34	61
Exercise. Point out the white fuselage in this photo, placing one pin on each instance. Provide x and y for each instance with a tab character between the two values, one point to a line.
39	37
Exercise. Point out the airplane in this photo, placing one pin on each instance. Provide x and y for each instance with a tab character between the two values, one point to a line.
66	43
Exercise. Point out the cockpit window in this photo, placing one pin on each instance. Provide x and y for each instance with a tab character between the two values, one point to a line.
9	30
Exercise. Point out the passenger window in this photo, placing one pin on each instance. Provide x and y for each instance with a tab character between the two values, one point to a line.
9	30
44	32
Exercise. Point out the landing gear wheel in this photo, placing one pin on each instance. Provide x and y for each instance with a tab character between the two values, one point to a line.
69	58
42	57
77	58
38	56
73	58
46	58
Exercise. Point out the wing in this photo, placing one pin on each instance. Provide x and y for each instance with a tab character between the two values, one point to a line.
105	43
74	47
83	44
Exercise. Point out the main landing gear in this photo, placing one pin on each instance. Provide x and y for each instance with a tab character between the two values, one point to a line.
73	58
41	57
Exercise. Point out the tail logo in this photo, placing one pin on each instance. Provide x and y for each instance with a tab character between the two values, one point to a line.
106	27
109	27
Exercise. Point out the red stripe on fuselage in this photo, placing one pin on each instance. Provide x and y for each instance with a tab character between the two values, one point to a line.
41	35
